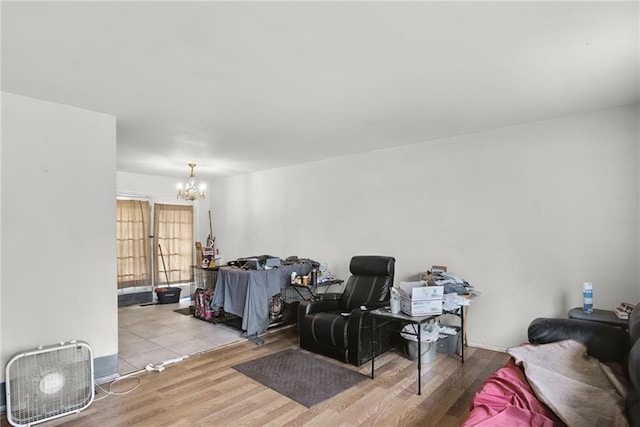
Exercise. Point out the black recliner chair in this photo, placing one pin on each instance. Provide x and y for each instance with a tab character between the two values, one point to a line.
340	328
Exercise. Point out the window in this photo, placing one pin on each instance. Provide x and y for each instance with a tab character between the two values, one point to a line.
132	231
173	229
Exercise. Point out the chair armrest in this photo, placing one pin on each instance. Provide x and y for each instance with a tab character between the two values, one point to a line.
358	316
604	342
317	306
314	306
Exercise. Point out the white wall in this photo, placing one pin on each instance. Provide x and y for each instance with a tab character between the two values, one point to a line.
58	274
525	213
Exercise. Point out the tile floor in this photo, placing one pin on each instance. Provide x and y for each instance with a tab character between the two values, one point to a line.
154	333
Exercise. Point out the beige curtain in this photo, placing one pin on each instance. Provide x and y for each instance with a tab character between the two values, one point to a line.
132	231
173	229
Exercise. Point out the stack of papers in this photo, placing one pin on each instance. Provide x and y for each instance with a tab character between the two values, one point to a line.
406	288
452	284
448	330
445	278
456	299
623	310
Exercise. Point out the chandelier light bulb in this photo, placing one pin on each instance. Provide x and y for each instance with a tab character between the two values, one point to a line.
192	191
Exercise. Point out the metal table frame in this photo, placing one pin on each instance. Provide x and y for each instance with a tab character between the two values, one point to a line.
387	316
313	289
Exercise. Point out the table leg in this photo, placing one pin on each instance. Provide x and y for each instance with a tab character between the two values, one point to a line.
419	359
463	338
373	340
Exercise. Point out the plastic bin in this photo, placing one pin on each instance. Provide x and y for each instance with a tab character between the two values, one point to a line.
168	295
428	345
448	344
428	351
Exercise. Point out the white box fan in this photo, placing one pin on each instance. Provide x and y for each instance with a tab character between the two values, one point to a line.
49	382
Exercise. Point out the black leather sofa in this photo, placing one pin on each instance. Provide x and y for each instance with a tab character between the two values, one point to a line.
340	328
605	342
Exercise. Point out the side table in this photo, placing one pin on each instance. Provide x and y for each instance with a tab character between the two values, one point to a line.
386	315
310	292
601	316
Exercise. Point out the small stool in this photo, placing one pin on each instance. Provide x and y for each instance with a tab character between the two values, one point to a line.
601	316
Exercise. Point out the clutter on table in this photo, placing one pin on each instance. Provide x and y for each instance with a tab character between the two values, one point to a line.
624	310
436	292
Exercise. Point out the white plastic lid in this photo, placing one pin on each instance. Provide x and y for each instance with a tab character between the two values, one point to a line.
587	285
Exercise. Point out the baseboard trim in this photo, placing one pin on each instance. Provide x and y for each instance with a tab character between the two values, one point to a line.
135	298
487	347
105	368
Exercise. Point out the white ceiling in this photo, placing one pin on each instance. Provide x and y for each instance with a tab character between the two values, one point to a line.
238	87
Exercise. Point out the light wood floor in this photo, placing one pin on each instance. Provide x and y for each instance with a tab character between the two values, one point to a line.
205	391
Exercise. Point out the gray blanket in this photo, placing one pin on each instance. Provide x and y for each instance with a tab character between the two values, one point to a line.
577	387
246	293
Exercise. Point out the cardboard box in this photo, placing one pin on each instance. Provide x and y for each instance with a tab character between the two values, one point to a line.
208	260
199	254
420	307
423	292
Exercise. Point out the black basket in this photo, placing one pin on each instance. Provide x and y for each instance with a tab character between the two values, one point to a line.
168	295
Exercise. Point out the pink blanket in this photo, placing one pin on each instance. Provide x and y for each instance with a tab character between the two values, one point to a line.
578	388
505	399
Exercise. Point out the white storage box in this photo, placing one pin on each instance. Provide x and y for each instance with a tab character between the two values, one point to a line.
419	290
422	307
427	292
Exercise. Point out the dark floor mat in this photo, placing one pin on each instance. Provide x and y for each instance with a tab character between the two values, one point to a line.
299	376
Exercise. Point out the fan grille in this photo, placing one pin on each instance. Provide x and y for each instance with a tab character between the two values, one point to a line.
49	383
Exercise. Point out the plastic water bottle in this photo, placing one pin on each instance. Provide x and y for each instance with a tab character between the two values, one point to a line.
587	297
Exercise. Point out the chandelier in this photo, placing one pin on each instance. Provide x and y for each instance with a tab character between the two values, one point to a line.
192	191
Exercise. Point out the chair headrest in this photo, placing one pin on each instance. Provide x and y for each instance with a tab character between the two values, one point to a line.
372	265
